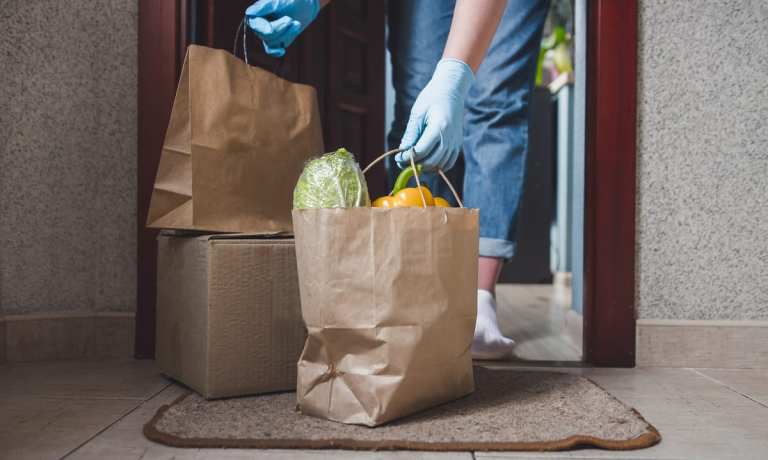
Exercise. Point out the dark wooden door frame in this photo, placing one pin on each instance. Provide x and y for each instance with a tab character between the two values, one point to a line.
609	221
609	246
161	41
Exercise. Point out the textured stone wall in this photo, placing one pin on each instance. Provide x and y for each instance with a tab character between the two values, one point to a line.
67	156
703	160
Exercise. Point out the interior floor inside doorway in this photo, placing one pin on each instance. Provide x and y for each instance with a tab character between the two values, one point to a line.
539	318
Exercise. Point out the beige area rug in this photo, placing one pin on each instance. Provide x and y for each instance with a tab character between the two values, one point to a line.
510	410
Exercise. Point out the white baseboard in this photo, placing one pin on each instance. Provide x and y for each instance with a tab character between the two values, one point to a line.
66	335
660	343
702	343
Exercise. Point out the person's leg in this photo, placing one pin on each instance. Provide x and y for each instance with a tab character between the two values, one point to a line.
488	270
418	30
495	149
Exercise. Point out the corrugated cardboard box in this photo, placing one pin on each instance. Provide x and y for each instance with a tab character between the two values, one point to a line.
228	313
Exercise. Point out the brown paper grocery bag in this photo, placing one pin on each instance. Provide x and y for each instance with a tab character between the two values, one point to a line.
236	143
389	300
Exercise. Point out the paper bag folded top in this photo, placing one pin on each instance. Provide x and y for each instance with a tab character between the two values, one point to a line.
236	143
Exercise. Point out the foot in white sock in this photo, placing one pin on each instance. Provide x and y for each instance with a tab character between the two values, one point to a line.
489	342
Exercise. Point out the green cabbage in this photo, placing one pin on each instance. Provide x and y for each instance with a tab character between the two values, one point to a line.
332	181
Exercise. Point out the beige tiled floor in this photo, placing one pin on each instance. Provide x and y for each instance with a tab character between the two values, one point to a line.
96	411
49	409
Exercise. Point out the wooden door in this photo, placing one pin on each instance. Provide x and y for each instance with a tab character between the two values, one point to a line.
341	54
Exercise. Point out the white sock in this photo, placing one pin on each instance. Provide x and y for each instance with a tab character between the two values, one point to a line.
489	342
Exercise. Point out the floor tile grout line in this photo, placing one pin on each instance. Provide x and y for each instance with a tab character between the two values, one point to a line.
581	453
572	454
75	398
109	425
730	387
118	420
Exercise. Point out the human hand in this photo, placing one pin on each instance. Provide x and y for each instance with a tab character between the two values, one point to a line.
434	133
278	22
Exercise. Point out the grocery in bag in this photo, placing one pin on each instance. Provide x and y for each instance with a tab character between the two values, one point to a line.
236	143
388	296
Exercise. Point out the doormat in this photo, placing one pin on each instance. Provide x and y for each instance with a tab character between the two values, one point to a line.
510	410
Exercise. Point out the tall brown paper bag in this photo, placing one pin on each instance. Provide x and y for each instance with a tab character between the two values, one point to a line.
389	300
236	143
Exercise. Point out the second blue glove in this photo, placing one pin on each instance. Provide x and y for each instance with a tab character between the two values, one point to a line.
435	130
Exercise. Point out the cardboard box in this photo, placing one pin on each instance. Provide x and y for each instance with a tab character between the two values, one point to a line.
228	313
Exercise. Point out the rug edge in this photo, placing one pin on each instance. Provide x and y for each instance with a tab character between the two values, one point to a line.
150	431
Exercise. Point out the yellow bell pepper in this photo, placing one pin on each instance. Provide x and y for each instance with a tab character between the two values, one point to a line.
410	197
442	202
384	202
403	197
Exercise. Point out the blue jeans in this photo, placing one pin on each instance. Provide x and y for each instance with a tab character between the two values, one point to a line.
496	118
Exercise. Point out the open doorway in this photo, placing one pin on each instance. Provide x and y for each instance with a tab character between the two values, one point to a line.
603	43
539	296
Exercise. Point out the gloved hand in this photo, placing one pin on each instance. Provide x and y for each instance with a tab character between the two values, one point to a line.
435	127
278	22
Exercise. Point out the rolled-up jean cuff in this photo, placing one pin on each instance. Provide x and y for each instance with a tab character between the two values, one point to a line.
491	247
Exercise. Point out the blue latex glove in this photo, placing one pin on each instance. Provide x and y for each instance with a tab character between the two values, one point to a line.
435	128
278	22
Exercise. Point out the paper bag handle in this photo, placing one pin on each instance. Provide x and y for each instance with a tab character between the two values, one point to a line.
243	28
416	175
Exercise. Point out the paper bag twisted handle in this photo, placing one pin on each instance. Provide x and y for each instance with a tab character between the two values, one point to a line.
242	28
416	175
245	40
